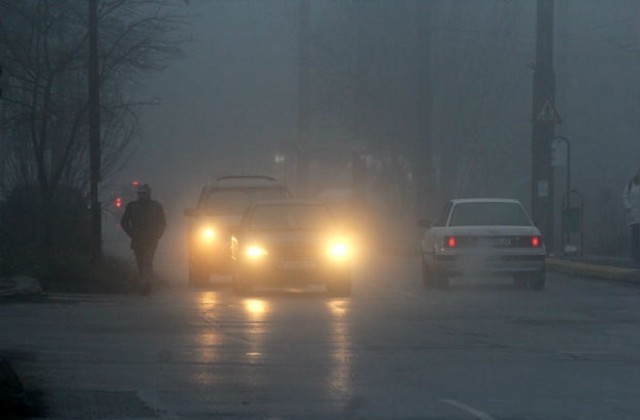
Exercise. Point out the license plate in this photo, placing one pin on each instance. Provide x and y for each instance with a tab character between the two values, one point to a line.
495	241
298	265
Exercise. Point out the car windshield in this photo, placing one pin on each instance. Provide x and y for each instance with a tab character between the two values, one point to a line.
235	201
489	214
268	217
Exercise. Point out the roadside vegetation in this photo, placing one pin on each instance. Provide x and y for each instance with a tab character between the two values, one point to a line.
66	266
44	125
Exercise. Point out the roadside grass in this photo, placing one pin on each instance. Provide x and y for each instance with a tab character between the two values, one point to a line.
67	272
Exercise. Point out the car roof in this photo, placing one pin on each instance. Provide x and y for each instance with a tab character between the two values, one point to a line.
290	202
485	200
246	181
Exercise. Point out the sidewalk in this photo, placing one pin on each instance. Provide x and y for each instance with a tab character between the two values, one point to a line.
606	268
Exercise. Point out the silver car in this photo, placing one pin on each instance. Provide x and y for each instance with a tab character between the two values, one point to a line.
480	236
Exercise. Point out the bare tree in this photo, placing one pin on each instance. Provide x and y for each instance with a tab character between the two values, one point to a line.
44	51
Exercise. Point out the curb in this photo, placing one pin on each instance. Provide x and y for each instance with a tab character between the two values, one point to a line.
19	286
605	272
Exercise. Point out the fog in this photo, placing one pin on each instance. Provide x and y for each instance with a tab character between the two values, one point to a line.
230	103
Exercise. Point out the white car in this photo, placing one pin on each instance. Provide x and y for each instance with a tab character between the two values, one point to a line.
480	236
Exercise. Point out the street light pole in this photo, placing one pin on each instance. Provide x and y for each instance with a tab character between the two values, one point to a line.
304	105
543	128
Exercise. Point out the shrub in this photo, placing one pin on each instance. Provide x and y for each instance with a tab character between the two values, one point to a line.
22	215
74	273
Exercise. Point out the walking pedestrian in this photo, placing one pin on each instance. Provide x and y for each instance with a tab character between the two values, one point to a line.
631	201
144	222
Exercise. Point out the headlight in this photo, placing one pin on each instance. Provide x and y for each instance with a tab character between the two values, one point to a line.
207	234
339	251
255	251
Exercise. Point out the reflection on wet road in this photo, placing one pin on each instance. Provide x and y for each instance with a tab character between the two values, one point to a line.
392	350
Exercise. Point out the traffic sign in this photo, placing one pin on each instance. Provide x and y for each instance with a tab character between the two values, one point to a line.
548	114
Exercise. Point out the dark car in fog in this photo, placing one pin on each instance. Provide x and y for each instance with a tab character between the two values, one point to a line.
219	209
291	242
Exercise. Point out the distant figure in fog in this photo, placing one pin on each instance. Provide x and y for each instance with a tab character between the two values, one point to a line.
144	222
631	200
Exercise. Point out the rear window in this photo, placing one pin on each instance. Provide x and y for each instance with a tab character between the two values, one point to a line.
442	220
266	217
235	201
489	214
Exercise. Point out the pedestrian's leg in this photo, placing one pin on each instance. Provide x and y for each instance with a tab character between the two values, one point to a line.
151	252
635	242
147	267
139	254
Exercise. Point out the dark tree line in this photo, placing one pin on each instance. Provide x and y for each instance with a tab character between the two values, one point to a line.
421	84
44	118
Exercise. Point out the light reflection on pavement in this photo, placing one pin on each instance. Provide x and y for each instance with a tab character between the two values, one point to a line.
340	378
391	350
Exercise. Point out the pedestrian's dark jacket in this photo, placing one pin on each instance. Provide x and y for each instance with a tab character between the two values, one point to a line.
144	222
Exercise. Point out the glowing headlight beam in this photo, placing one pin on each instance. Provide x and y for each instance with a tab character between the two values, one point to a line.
255	251
207	234
339	251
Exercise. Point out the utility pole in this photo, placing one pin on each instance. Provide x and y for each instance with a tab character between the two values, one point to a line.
2	152
94	133
423	160
304	104
543	126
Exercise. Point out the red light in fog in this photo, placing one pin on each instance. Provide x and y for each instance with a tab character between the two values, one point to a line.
535	241
451	242
135	183
118	202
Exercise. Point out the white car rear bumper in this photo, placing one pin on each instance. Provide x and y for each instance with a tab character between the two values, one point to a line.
506	264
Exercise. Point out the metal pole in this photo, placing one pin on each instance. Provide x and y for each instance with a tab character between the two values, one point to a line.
304	105
543	132
567	201
94	133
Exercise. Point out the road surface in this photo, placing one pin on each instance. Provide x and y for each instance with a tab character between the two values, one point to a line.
393	350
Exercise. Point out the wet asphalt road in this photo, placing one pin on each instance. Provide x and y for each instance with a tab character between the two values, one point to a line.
393	350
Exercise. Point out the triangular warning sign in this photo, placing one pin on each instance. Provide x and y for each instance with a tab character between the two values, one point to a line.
548	114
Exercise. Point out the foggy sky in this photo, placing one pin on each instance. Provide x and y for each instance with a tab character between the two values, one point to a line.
229	103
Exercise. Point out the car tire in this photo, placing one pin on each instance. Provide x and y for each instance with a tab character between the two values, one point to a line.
427	275
537	280
442	280
198	276
340	286
434	278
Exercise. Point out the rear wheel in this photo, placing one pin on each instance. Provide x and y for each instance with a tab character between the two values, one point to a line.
433	277
442	280
427	276
537	280
340	286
